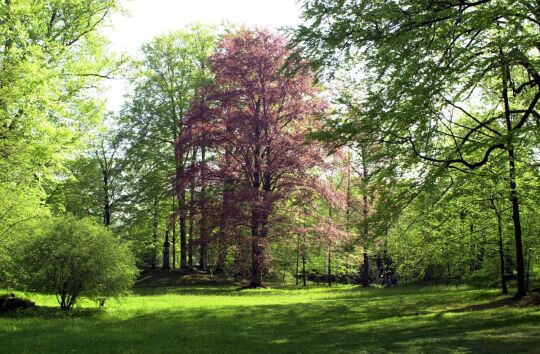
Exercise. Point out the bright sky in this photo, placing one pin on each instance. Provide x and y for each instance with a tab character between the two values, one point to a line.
149	18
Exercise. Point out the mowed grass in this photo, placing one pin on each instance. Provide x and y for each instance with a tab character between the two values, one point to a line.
222	319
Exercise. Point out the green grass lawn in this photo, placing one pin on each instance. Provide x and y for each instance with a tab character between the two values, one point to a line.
221	319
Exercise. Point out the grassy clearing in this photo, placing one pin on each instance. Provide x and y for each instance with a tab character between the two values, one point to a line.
221	319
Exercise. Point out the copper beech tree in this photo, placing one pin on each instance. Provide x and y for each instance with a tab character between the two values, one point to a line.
250	124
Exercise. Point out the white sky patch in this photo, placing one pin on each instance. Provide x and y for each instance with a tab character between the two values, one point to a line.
147	19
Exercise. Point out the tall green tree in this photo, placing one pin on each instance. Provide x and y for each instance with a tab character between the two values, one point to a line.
95	183
51	52
453	82
166	82
52	59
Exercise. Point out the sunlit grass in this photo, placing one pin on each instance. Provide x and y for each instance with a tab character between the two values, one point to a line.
222	319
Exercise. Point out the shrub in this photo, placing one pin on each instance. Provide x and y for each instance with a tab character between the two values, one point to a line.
76	258
10	302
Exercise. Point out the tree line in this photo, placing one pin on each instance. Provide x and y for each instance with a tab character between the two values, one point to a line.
375	143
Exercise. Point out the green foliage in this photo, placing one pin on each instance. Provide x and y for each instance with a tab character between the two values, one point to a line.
21	210
75	258
436	86
51	54
420	87
165	82
52	57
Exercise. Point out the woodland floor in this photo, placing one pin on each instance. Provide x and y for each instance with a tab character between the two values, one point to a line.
168	314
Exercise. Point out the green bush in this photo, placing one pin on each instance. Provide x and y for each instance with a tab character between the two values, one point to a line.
75	258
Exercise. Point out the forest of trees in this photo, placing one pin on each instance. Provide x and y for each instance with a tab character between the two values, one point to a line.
378	143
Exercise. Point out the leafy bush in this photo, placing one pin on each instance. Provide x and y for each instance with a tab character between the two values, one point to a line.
74	258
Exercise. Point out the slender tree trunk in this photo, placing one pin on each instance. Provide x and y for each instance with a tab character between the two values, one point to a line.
256	249
386	259
304	275
203	248
348	210
180	164
173	243
222	244
304	253
529	251
222	254
329	268
365	269
173	229
520	264
259	221
472	249
181	200
297	274
106	200
191	212
183	241
329	272
155	239
365	216
191	230
166	255
504	287
238	258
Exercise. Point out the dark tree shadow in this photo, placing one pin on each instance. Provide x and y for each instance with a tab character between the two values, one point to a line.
52	313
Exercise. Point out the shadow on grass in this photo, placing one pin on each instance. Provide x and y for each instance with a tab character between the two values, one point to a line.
176	281
157	277
371	324
51	312
487	306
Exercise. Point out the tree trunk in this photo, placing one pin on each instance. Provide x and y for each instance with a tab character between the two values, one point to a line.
297	274
365	269
348	210
191	230
259	220
472	250
329	268
520	264
222	254
365	215
106	201
173	228
304	251
203	247
183	243
237	262
173	250
179	162
166	255
304	277
504	286
222	244
155	240
521	291
256	249
191	213
529	251
259	234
